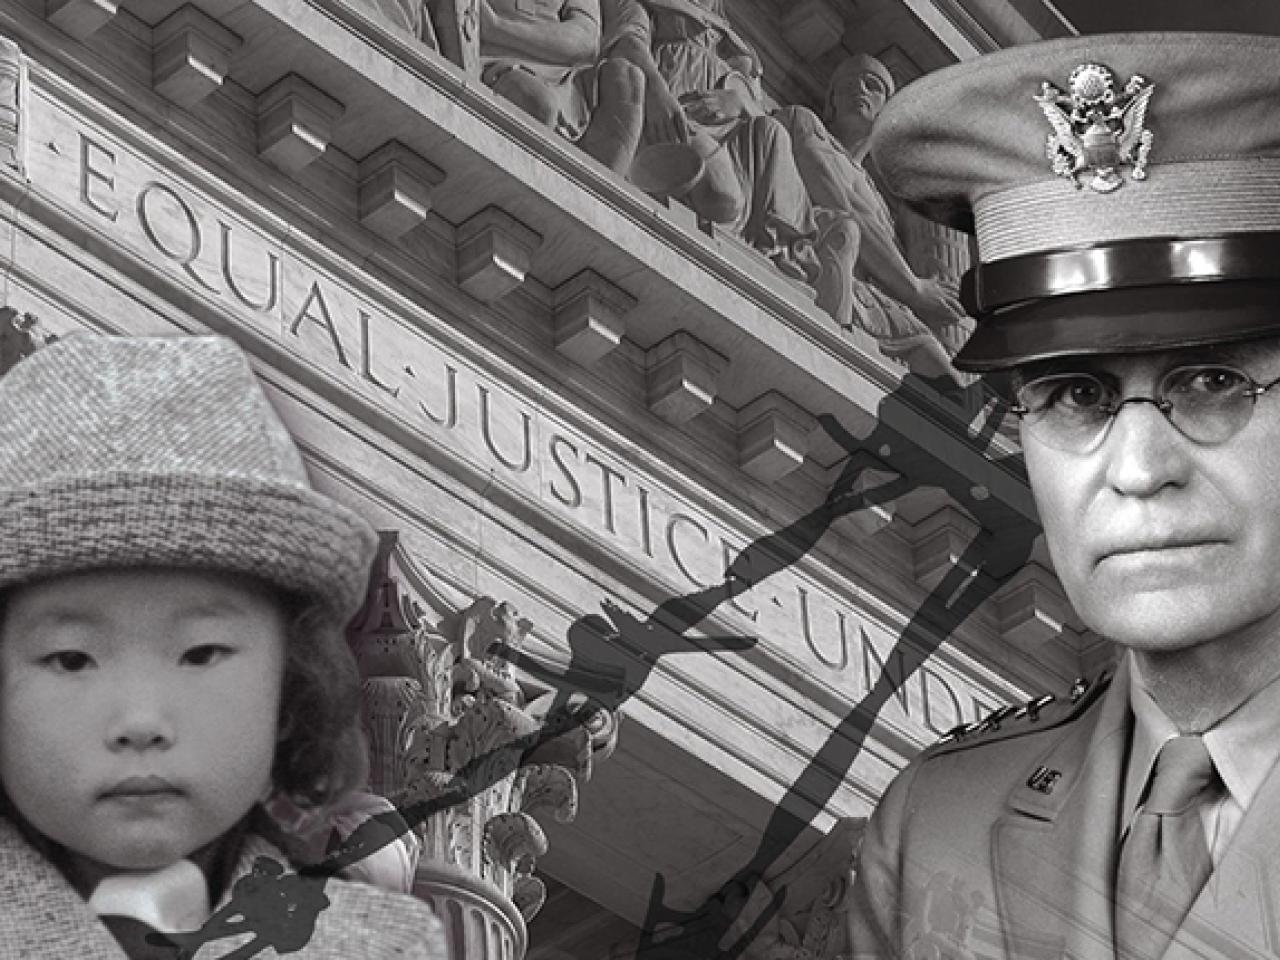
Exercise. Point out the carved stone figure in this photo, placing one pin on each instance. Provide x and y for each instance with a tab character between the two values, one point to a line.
807	901
702	90
411	16
543	56
457	30
917	319
945	926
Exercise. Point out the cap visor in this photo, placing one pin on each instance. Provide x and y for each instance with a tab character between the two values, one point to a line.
1133	320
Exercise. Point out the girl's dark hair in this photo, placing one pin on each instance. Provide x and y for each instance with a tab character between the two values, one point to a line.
320	754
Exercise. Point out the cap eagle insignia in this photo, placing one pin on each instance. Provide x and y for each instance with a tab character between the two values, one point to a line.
1095	130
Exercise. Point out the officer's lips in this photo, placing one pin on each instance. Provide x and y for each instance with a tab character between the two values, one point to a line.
1167	544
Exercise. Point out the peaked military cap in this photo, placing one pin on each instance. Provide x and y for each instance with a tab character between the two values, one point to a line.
1124	190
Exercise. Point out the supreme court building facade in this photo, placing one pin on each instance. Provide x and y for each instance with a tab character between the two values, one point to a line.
575	399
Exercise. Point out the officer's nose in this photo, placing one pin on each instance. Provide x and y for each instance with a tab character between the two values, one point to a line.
1145	452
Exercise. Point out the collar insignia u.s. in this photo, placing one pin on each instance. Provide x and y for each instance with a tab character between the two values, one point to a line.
1096	130
1042	779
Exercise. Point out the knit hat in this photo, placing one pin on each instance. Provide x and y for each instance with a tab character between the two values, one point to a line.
1124	189
123	452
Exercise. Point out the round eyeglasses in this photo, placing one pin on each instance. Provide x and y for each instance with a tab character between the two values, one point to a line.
1207	403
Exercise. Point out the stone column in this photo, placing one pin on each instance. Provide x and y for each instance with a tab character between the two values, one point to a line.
466	752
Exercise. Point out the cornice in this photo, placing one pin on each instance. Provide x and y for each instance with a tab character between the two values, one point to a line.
712	302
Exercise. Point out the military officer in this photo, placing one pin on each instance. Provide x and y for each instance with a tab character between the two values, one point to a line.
1125	194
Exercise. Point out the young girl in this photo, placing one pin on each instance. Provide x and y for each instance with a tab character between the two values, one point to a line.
172	600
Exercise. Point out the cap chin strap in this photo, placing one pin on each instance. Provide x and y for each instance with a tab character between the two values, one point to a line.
1121	264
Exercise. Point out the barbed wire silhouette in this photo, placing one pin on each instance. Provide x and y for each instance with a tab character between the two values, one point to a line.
612	656
1000	549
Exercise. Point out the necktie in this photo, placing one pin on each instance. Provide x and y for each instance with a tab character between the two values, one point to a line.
1165	860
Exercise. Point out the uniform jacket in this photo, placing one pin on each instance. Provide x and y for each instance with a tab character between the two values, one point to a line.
41	915
1004	844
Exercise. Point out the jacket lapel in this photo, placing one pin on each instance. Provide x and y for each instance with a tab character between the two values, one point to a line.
40	914
1054	853
1237	914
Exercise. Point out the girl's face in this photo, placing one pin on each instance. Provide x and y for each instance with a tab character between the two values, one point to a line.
139	709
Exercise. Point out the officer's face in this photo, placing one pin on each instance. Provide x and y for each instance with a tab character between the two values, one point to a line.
1163	543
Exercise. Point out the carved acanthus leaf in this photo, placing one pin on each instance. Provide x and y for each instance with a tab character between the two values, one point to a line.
461	841
515	841
436	658
488	728
588	732
473	680
528	894
551	788
493	633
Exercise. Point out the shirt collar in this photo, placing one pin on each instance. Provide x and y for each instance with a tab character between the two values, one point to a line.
1244	745
216	859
